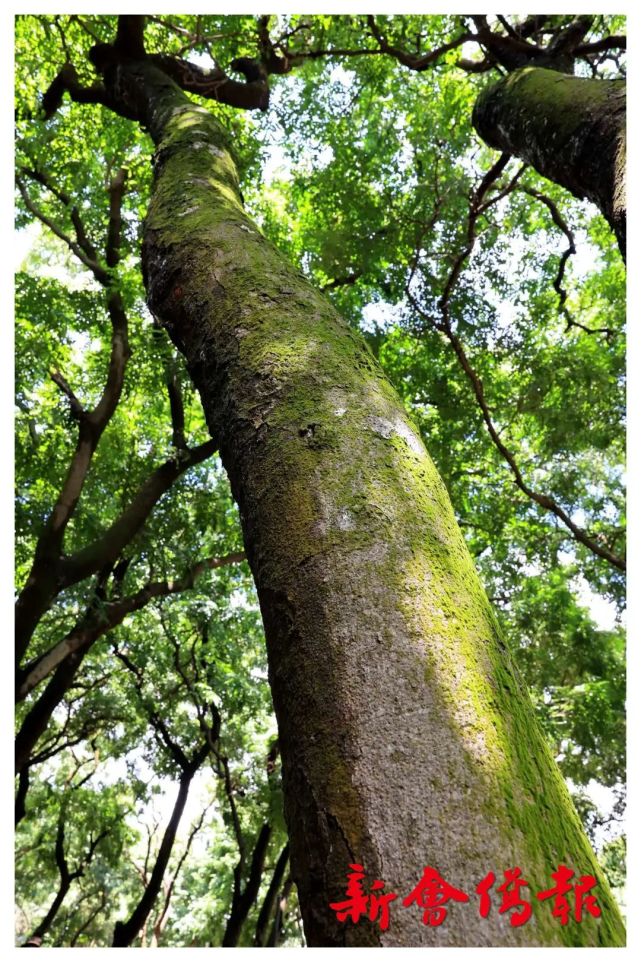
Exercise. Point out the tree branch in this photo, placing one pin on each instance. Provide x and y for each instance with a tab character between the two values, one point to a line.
85	925
77	410
268	908
414	61
67	81
65	658
343	281
477	206
108	547
43	582
157	723
160	922
125	932
561	223
82	239
75	247
606	43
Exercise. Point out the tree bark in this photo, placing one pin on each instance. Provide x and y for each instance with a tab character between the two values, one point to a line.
571	129
405	736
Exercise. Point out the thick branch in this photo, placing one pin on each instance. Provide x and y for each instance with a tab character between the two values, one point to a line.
109	615
21	795
126	932
106	549
276	932
130	40
67	81
229	791
570	129
116	192
598	46
160	922
214	84
177	410
43	582
39	714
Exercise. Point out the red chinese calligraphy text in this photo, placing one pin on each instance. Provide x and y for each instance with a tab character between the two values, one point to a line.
560	891
357	903
511	899
432	893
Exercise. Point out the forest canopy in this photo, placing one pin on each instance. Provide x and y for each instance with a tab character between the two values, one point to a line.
489	288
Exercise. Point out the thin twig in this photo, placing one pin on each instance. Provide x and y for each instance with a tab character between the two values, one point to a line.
561	223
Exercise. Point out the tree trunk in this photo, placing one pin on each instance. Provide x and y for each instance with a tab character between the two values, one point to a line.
267	909
244	898
405	737
571	129
278	926
126	932
48	920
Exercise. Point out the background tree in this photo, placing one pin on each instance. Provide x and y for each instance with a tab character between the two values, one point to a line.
390	205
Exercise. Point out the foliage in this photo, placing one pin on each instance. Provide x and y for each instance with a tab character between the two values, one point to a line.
364	171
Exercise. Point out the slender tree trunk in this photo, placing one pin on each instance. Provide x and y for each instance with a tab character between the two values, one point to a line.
47	921
244	898
571	129
277	929
267	909
126	932
405	736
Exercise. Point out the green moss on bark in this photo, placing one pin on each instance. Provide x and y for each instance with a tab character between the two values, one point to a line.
571	129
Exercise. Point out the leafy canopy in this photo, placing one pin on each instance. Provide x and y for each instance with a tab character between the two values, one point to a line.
366	172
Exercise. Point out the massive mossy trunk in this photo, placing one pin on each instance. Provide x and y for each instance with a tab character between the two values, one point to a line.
571	129
406	739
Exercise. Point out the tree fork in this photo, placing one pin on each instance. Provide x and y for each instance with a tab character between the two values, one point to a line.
571	129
